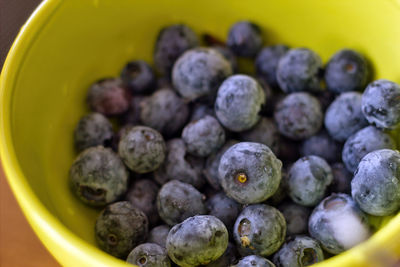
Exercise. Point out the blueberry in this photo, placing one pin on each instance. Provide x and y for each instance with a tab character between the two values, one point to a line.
376	183
308	180
179	165
158	235
224	208
149	255
344	116
164	111
108	97
117	137
361	143
204	136
228	55
139	77
299	251
119	228
254	261
245	39
249	172
299	70
92	129
199	72
239	102
264	132
197	241
321	145
338	224
211	168
132	116
267	63
201	110
143	195
346	71
259	229
227	259
98	176
142	149
341	179
299	116
381	104
178	201
296	217
172	41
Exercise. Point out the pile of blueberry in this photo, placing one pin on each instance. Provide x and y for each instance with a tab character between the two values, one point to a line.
210	167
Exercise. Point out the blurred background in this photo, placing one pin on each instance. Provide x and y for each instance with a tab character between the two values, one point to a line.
19	246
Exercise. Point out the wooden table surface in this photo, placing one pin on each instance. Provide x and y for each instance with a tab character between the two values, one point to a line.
19	246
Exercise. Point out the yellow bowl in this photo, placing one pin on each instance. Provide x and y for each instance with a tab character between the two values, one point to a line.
66	45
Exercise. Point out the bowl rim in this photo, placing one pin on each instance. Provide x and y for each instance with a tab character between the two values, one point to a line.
61	242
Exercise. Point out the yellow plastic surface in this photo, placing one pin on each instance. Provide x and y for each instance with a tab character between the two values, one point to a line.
66	45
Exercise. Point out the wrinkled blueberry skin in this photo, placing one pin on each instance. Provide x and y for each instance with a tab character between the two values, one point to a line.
321	145
361	143
344	116
308	180
299	116
119	228
267	63
92	129
264	132
245	39
142	149
239	101
376	183
224	208
179	165
227	259
199	111
260	166
299	70
338	224
228	55
139	77
172	41
212	164
197	241
299	251
381	104
341	179
296	217
149	255
204	136
259	229
143	195
108	97
346	71
98	176
177	201
158	235
164	111
132	116
254	261
199	72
